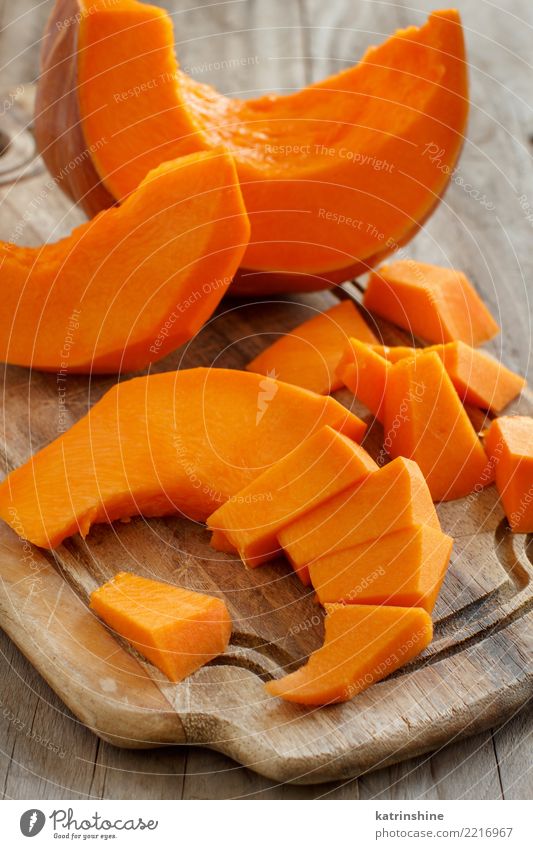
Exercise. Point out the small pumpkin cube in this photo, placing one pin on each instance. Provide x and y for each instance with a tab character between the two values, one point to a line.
509	443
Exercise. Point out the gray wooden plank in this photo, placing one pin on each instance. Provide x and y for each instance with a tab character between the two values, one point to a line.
513	744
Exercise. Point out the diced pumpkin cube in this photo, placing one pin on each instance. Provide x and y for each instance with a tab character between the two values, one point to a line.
363	644
509	443
392	498
365	373
437	304
425	420
405	568
176	629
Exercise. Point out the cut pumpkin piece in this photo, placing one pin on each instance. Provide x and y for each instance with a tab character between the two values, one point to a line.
392	498
177	630
363	644
172	443
425	420
309	354
135	282
323	465
480	380
405	568
509	443
318	168
437	304
364	371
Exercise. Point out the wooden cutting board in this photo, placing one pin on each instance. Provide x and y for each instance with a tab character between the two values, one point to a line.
476	672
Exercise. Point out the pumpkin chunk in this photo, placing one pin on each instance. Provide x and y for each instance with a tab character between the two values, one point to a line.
364	371
323	465
333	176
425	420
392	498
405	568
480	380
134	283
437	304
309	354
509	443
177	630
172	443
362	645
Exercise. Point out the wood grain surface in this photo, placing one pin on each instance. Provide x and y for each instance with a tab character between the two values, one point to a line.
482	227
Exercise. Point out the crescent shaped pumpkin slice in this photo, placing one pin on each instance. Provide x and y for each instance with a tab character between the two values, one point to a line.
132	284
176	629
363	644
172	443
333	176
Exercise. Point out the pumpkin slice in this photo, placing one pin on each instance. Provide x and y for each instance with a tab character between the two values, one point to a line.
177	630
392	498
405	568
364	371
128	287
509	443
309	354
437	304
172	443
480	380
323	465
333	176
425	420
362	644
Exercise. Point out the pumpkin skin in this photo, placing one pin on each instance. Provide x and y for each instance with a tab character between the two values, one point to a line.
132	284
320	214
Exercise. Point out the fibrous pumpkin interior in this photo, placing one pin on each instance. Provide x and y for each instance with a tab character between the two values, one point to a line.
173	443
333	176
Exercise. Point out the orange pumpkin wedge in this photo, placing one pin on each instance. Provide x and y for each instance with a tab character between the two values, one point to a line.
480	380
173	443
177	630
132	284
309	354
437	304
509	443
405	568
365	372
425	420
333	176
392	498
363	644
323	465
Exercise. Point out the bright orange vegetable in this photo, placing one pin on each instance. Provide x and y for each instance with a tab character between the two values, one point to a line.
309	354
405	568
480	380
392	498
364	371
425	420
333	176
173	443
437	304
323	465
509	443
362	645
177	630
132	284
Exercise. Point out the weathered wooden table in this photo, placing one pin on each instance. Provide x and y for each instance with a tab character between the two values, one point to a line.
484	226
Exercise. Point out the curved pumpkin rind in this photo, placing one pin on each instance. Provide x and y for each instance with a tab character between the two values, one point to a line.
299	205
133	283
172	443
